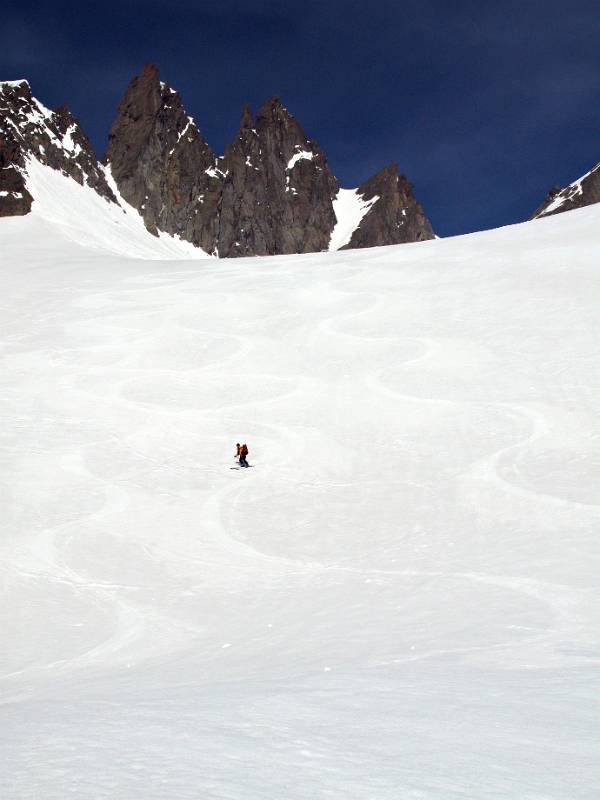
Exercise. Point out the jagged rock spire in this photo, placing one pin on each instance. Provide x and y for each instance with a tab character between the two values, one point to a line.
161	163
271	192
278	189
246	120
395	217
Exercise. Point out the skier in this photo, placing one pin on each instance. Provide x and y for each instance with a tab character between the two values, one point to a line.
243	454
238	449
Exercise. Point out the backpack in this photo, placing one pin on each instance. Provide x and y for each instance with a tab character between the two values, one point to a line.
244	450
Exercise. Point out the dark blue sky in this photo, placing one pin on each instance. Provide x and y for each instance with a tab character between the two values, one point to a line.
484	105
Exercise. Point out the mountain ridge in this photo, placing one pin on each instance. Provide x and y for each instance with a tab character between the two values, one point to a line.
271	192
54	138
583	191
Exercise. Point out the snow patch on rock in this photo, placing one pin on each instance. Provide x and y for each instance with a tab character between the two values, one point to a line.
349	208
303	155
568	193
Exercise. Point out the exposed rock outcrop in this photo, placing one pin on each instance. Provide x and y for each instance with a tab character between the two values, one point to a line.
162	164
272	192
278	188
395	217
30	130
15	200
582	192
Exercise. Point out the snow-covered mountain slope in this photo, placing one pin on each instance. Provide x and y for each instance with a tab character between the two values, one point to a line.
583	192
399	600
79	214
48	167
271	192
29	130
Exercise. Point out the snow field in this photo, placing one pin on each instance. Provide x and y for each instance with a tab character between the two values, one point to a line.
79	214
399	600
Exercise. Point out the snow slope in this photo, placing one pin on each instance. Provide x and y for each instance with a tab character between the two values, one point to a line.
400	599
349	208
79	214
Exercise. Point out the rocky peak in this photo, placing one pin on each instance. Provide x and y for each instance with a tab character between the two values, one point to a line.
272	115
383	183
394	216
246	121
29	130
278	188
282	137
162	164
582	192
272	192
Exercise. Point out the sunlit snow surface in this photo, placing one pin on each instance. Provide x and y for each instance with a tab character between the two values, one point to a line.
349	208
300	155
400	599
81	215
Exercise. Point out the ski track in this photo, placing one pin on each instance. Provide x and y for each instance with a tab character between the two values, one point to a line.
279	610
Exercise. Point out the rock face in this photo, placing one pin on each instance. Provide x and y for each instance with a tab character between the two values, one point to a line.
272	192
395	217
582	192
55	138
277	188
15	200
162	164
